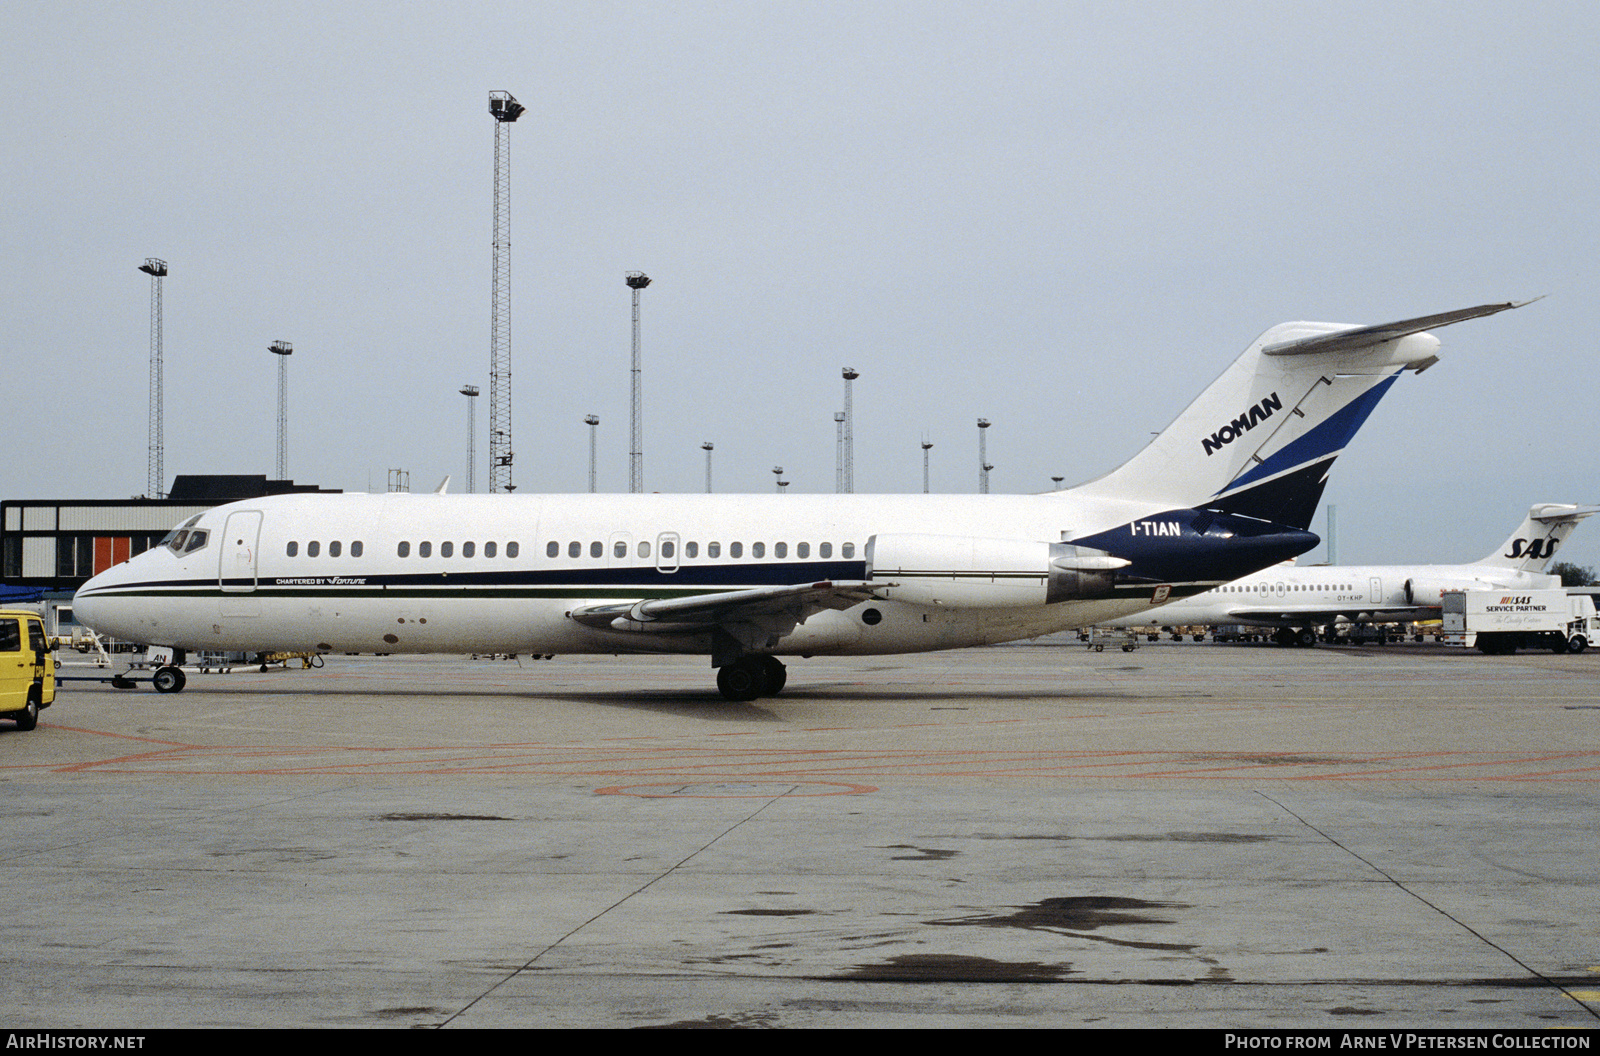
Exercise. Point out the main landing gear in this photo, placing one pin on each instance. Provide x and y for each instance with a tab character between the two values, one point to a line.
1304	638
750	677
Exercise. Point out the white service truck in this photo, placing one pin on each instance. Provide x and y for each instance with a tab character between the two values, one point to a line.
1503	621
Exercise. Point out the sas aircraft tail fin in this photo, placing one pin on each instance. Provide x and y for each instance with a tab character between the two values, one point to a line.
1535	541
1260	441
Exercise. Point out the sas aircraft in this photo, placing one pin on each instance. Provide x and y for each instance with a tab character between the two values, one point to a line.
1298	599
1230	487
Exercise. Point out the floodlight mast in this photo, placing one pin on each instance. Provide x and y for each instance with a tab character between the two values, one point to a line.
471	393
505	110
850	375
592	420
637	281
283	350
927	445
707	446
156	475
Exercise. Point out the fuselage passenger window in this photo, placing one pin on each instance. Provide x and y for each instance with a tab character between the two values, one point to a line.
403	550
847	550
780	550
802	549
334	548
644	549
691	550
667	548
447	549
313	548
735	549
713	549
619	549
551	549
292	549
824	550
425	549
355	548
758	549
574	549
468	549
512	549
597	549
488	550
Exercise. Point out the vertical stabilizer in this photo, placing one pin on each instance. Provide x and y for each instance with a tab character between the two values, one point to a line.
1261	439
1538	536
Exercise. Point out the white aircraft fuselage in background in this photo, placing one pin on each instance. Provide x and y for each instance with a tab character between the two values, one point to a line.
1228	488
1300	598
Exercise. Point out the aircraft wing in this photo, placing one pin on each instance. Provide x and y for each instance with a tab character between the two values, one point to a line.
1262	614
771	611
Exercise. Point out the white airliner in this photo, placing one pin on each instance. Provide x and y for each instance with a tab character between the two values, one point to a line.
1230	487
1298	599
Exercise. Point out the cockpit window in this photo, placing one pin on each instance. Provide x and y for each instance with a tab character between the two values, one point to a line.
197	539
179	536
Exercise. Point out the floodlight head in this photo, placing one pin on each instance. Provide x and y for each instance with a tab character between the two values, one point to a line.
850	374
281	348
503	107
983	423
469	390
637	280
707	445
153	267
591	419
926	444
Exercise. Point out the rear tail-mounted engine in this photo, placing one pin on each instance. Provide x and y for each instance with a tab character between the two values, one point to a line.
967	572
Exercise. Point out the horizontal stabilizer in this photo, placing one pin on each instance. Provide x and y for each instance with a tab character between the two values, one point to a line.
1557	512
1359	337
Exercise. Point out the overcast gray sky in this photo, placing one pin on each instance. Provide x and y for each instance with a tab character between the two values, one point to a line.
1064	217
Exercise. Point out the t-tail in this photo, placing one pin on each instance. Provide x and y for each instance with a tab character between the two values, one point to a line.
1260	441
1539	535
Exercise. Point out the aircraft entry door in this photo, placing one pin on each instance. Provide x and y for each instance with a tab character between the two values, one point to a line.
240	552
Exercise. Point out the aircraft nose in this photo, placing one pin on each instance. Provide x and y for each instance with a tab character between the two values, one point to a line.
95	604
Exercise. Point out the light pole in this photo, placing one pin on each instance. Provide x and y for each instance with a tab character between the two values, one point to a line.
927	445
471	393
591	421
850	375
637	280
156	474
983	460
707	446
283	350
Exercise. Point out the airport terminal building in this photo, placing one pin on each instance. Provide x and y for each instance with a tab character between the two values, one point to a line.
53	546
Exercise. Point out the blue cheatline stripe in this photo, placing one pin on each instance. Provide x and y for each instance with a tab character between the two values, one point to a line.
1326	439
690	579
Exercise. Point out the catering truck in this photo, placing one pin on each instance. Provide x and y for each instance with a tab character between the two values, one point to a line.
1503	621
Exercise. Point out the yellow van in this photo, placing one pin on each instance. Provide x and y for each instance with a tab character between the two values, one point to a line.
27	668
